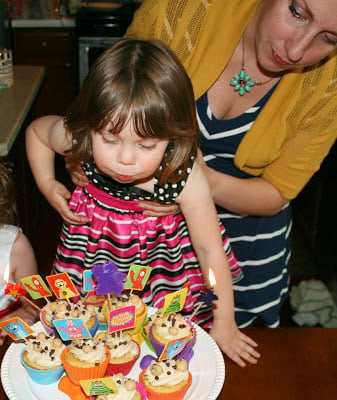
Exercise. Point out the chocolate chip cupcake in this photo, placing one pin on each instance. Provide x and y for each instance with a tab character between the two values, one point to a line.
41	358
124	352
166	380
85	359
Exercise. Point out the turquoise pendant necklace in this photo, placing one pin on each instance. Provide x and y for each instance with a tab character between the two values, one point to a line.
242	82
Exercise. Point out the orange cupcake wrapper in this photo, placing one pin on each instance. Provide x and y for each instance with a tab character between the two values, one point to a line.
176	395
76	374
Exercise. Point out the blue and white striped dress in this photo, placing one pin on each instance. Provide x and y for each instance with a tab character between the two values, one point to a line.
261	244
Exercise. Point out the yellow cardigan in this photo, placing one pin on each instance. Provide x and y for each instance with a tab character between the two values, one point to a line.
296	128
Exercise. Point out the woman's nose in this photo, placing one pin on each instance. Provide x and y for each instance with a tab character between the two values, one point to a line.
126	155
297	46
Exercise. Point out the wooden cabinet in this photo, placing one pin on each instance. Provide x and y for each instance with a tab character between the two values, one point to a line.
56	49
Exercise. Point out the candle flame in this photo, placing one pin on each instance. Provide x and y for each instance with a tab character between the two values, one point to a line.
211	277
6	274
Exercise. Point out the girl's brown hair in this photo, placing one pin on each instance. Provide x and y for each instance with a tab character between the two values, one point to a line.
8	210
144	81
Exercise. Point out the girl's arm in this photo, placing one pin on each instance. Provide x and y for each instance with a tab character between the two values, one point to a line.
44	137
198	208
23	263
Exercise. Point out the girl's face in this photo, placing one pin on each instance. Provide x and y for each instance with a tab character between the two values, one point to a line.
127	157
295	33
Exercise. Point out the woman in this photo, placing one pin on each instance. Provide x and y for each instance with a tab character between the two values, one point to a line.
264	75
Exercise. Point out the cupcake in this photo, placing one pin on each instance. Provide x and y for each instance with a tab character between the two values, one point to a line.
145	329
128	299
49	311
41	358
172	327
166	380
97	302
124	352
85	359
86	313
128	389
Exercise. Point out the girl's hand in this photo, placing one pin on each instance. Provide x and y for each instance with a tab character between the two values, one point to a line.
155	209
235	344
58	195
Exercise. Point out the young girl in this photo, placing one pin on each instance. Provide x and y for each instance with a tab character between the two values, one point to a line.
16	253
134	128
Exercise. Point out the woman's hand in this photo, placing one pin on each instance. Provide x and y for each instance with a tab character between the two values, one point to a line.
235	344
58	195
77	174
155	209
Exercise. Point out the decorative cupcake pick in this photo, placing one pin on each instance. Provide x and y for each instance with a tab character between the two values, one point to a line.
62	286
137	277
15	289
71	329
174	302
108	280
16	328
111	281
206	296
36	287
95	387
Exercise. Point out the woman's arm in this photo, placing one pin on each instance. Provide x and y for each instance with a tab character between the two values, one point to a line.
198	208
252	196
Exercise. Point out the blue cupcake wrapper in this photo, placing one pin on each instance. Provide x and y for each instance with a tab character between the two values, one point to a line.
43	376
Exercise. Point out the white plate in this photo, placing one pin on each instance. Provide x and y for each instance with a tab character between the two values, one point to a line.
207	368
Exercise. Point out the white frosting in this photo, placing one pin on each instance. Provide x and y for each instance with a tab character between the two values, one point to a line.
163	326
169	375
120	344
44	351
61	309
127	299
89	350
124	393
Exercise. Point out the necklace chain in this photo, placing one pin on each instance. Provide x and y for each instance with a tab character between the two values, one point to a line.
243	82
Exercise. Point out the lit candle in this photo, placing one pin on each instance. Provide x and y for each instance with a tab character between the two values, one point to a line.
15	289
206	296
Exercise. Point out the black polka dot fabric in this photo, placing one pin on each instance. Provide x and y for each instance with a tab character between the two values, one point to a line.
166	193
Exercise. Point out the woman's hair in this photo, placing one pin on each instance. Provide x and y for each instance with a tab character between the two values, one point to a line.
144	82
8	211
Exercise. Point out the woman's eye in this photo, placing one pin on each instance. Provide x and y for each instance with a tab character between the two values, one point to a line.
329	40
294	11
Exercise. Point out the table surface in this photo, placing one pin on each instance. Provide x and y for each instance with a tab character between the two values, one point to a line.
15	103
296	364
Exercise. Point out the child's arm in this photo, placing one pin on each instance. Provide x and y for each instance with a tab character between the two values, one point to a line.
198	208
23	263
44	137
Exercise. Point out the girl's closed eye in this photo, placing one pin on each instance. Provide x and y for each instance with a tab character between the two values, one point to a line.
109	138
